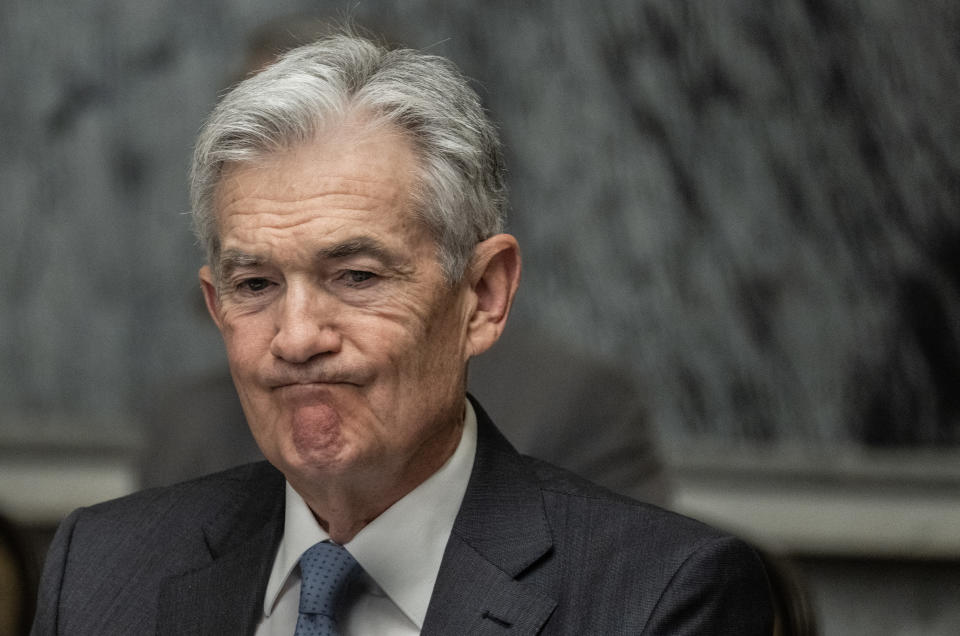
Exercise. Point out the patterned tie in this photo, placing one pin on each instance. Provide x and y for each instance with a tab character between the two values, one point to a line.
326	570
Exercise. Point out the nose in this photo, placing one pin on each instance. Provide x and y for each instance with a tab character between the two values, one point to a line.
304	325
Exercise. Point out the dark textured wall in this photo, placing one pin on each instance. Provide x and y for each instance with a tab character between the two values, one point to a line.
752	205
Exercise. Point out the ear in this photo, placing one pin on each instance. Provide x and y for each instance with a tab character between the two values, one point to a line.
493	276
210	296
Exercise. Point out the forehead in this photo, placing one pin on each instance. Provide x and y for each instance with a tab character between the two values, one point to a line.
351	172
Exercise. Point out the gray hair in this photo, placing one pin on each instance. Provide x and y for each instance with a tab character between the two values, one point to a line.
460	193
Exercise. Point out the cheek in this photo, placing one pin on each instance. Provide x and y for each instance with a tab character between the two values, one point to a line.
245	340
238	359
434	361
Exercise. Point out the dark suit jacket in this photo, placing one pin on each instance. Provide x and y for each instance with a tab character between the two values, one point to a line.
534	550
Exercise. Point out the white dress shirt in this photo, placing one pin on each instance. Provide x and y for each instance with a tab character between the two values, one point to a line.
400	552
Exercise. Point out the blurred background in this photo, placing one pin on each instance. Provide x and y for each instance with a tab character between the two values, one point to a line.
750	209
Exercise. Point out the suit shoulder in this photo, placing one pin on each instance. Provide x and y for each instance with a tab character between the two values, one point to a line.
201	495
108	562
658	566
167	527
601	514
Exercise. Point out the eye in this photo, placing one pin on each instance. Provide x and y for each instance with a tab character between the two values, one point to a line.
253	285
356	277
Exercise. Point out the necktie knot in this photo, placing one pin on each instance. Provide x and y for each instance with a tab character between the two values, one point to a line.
326	571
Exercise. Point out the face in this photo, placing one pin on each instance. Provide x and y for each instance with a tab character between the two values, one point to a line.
347	345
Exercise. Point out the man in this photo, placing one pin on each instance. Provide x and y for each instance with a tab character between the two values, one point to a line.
528	380
351	203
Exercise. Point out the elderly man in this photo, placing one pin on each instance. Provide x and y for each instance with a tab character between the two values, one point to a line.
351	203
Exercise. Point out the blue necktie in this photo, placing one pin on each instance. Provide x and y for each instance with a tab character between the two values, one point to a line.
326	570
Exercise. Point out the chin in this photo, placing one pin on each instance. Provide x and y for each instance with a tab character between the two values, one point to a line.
310	461
316	430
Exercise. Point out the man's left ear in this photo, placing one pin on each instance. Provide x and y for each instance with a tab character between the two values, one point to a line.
493	275
209	287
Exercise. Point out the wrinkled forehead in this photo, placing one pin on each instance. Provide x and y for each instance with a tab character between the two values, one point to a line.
356	158
342	187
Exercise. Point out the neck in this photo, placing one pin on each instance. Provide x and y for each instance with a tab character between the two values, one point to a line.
344	504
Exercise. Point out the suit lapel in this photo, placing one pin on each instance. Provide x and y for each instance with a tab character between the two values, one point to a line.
472	596
224	594
500	532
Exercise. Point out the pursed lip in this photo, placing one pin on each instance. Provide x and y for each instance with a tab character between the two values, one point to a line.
310	385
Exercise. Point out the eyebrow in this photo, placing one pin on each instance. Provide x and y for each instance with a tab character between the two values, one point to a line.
360	246
239	258
233	259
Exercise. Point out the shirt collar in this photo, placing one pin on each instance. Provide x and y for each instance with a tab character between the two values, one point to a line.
401	549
